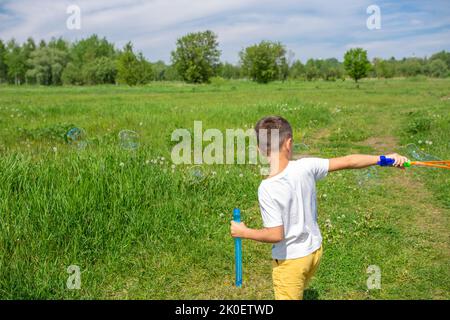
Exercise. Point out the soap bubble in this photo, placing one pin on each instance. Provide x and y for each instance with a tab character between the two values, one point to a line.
196	174
129	139
76	137
365	176
418	154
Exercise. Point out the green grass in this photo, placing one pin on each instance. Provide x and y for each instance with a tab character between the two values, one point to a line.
140	231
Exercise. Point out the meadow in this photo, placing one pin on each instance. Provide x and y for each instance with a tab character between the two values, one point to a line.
140	228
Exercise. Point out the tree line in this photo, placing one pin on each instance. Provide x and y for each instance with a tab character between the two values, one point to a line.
196	59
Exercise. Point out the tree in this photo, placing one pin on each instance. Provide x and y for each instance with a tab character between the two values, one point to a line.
126	66
72	75
356	63
171	74
16	63
330	69
311	71
145	70
27	49
411	67
442	55
297	70
131	69
42	44
283	66
196	57
89	49
229	71
159	70
29	46
47	65
59	44
383	68
85	59
3	67
437	68
102	70
264	62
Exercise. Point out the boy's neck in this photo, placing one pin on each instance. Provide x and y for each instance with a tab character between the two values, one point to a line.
278	163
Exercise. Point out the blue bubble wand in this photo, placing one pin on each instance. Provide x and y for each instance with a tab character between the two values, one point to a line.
443	164
238	250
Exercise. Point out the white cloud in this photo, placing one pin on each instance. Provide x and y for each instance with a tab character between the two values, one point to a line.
417	45
311	28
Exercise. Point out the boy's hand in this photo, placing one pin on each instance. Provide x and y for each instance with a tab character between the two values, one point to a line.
238	230
399	160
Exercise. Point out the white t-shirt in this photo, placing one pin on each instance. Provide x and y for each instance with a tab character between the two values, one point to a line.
289	199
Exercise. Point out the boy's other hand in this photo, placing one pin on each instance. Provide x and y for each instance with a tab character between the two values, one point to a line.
399	160
238	229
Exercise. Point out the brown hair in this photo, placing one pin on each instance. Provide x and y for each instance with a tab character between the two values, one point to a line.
272	123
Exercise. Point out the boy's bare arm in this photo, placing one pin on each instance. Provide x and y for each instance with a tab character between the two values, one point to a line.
358	161
269	235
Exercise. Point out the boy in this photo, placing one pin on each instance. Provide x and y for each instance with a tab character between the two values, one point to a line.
287	200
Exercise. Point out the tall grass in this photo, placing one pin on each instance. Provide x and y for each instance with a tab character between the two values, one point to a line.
142	229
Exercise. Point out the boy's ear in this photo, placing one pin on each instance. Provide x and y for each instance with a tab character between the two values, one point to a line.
288	144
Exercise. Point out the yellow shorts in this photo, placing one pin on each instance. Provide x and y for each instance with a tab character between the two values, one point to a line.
291	276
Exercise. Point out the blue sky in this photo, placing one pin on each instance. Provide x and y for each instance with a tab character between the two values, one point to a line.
310	29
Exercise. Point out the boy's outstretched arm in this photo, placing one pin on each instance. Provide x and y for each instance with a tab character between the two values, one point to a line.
269	235
358	161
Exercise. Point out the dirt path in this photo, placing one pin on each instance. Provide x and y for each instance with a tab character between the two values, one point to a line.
430	218
382	145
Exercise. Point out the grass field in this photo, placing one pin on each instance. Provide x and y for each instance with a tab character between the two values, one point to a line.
142	230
